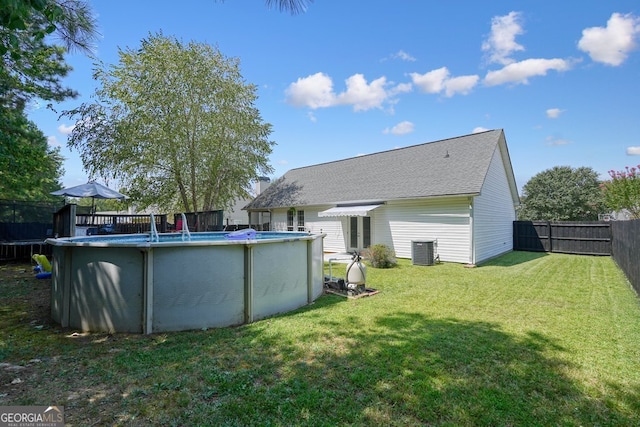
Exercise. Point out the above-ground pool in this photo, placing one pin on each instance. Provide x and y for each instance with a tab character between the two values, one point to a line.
129	283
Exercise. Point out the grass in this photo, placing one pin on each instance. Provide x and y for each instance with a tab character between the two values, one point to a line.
527	339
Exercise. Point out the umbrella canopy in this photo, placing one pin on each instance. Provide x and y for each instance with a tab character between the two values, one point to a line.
90	189
93	190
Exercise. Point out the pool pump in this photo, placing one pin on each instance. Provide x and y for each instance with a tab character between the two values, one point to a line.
353	286
356	275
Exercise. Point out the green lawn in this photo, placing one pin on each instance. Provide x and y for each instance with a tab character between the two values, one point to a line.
528	339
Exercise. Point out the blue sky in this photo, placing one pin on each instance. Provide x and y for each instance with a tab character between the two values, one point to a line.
347	78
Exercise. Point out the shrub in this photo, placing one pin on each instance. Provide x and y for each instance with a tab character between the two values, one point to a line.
380	256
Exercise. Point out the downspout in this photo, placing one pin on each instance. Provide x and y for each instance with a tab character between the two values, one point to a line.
472	252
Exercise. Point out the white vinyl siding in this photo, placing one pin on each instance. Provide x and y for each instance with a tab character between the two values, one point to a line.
333	227
336	234
398	223
493	214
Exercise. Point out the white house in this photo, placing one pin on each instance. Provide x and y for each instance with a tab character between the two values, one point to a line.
459	192
235	215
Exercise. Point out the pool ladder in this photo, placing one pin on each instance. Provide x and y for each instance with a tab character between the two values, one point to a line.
153	234
185	228
155	237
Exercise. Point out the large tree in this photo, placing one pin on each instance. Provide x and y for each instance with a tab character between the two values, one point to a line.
29	168
622	191
71	20
562	193
33	67
176	124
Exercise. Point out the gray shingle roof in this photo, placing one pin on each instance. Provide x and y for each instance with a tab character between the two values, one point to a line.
455	166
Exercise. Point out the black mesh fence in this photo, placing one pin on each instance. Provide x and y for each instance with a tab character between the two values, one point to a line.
21	221
25	212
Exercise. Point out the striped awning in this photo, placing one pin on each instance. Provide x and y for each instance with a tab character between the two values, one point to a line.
348	211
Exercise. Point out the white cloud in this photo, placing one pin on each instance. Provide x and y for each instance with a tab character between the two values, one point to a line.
401	54
479	129
283	162
461	85
633	151
520	72
554	113
501	43
312	117
34	105
401	88
362	95
53	141
314	91
66	130
401	128
611	44
553	141
431	82
438	80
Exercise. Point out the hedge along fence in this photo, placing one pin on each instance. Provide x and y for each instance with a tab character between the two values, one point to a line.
625	248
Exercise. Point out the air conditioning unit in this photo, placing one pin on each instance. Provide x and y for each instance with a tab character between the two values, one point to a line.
423	252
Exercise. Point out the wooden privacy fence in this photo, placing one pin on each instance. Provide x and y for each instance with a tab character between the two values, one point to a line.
584	238
626	249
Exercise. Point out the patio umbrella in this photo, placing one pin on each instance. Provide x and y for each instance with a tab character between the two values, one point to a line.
90	189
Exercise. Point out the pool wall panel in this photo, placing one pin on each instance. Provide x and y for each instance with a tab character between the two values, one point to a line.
198	287
316	268
58	284
106	289
279	277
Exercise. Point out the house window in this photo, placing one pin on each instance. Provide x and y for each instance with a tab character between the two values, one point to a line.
290	214
295	220
366	231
